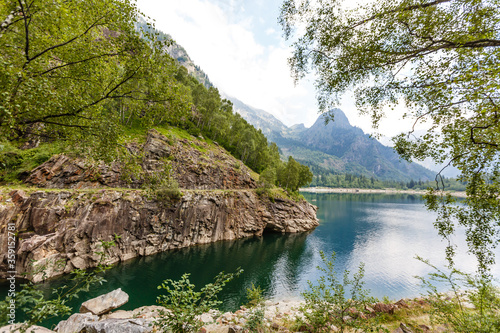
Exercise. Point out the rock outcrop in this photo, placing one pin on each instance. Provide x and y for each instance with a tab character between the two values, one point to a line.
60	230
195	165
63	230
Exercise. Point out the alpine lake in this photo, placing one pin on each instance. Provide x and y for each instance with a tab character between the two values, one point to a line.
383	231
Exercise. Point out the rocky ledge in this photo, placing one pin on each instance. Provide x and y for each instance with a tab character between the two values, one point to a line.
194	164
63	230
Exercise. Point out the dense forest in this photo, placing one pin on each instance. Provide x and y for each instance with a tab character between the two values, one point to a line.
360	181
60	90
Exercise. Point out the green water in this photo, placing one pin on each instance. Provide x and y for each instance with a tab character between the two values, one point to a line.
383	231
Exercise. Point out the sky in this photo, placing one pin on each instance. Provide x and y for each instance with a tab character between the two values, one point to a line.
239	45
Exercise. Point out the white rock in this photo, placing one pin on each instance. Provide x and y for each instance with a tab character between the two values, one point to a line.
120	326
105	303
75	323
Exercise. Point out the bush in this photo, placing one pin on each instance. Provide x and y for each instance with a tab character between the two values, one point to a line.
255	322
254	296
161	185
267	178
481	314
184	304
328	305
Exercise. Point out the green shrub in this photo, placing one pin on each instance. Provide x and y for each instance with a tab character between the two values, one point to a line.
337	303
161	185
267	178
254	296
255	322
184	304
474	305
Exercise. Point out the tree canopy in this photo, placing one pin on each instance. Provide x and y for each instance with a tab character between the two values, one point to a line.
439	59
66	66
86	72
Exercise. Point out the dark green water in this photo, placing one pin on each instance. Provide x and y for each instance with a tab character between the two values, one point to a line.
383	231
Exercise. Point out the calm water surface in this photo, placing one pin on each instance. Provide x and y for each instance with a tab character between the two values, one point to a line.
383	231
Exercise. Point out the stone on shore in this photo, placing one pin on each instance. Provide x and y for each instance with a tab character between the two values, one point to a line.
105	303
16	328
136	325
75	323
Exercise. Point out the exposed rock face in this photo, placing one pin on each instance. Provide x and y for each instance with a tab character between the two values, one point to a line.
105	303
63	230
75	323
195	165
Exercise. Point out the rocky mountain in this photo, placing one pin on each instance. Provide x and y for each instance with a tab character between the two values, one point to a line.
260	119
337	146
177	52
73	206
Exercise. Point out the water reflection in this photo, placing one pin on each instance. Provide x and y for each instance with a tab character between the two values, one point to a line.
386	232
383	231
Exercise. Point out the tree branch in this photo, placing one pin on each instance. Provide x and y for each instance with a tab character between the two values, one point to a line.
93	25
480	142
413	7
80	61
9	20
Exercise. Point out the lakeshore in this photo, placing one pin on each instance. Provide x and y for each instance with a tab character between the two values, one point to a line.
370	190
102	314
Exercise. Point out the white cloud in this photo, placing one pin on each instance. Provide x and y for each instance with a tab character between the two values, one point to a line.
230	55
220	37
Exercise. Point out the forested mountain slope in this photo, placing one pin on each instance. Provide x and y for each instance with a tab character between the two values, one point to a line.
336	147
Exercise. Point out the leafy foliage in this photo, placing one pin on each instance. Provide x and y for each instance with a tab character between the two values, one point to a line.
439	59
254	296
184	304
75	70
474	305
338	303
161	184
255	321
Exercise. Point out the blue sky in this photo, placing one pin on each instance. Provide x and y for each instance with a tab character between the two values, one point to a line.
239	44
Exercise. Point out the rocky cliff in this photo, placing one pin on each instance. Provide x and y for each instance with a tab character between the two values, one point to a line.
195	164
58	230
63	230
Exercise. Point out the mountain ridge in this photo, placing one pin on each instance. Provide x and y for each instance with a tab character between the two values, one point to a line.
336	146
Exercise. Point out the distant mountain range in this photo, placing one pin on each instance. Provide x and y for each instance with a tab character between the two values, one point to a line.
337	147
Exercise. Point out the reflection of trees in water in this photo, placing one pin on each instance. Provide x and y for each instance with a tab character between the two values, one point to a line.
363	197
258	256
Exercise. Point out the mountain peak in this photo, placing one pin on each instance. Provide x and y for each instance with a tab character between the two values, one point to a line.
336	118
298	127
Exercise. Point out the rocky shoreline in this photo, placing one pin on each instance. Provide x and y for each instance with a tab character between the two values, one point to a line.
63	230
98	316
367	190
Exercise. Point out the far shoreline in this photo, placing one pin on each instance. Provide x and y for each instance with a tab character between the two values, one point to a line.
370	190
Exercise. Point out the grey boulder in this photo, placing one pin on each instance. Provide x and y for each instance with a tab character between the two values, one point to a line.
105	303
